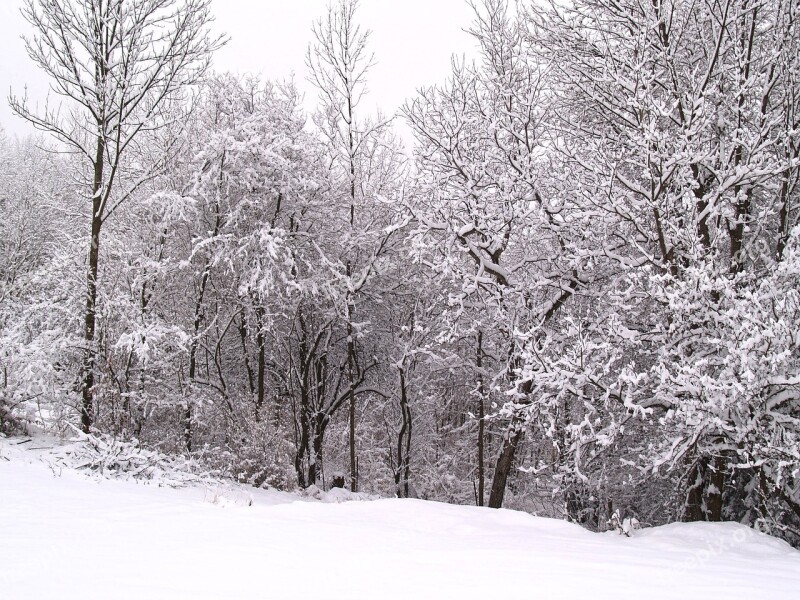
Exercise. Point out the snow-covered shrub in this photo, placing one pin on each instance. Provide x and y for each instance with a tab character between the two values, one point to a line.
39	347
624	526
256	454
337	495
111	457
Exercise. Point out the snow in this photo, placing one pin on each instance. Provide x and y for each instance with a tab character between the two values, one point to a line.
64	534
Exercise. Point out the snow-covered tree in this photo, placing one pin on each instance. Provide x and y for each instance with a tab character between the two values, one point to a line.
119	69
38	305
677	125
484	209
365	164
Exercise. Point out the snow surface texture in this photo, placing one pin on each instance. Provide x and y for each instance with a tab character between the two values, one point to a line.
67	535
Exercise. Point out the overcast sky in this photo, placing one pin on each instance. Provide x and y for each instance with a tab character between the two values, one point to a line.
413	41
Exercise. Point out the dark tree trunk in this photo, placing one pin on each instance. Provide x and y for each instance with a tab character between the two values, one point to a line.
783	219
321	421
505	461
511	441
260	343
351	365
304	459
701	205
351	344
706	486
305	436
403	471
246	357
693	510
481	422
737	231
714	490
90	315
198	318
743	196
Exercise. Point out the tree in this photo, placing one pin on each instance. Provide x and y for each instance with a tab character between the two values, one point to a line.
339	60
120	66
38	301
678	125
481	196
255	184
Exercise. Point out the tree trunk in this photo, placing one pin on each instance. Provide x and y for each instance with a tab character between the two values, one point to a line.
351	345
481	421
516	432
715	488
351	360
245	356
198	319
706	487
260	343
693	507
90	314
321	421
305	434
783	219
403	470
512	439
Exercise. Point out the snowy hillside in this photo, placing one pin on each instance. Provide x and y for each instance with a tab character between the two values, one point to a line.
65	535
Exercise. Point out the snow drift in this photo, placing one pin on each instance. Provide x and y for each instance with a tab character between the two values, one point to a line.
67	535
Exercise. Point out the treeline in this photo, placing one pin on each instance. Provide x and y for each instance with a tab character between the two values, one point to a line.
580	295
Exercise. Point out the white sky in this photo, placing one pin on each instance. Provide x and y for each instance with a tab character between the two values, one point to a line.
412	40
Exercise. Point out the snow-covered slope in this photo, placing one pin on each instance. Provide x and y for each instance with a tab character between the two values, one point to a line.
64	535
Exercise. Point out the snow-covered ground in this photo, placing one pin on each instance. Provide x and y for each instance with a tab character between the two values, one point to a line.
65	535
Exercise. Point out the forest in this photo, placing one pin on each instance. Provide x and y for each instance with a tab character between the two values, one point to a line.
577	294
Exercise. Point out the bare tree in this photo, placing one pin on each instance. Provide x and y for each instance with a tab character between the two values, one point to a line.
120	67
338	60
485	210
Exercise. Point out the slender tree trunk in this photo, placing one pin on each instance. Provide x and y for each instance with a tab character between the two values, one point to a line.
351	364
260	342
407	469
187	411
305	436
90	314
743	195
351	344
198	317
783	219
701	206
246	357
481	421
716	486
304	446
351	352
403	470
321	421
